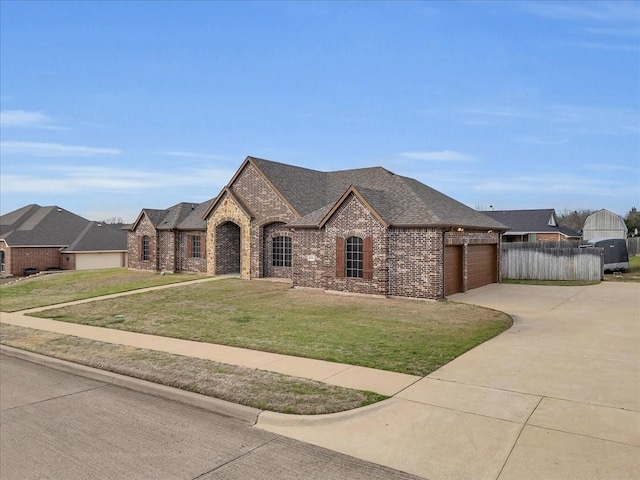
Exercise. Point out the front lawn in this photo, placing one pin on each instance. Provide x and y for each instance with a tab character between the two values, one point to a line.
51	289
407	336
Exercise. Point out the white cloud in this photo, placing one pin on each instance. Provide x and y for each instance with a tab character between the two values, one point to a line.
193	155
101	179
558	184
37	149
599	11
564	119
540	140
437	156
21	118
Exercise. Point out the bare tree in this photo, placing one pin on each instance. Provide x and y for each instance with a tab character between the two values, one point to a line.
113	221
574	218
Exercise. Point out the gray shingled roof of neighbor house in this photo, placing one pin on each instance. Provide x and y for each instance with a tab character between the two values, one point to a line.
99	237
400	201
41	226
36	226
530	221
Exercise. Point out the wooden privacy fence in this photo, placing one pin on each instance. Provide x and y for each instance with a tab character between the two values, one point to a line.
550	261
633	246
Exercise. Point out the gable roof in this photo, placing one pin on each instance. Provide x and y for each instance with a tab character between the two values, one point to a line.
181	216
41	226
36	226
531	221
99	237
396	200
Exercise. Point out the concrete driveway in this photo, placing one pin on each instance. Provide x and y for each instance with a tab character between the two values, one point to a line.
556	397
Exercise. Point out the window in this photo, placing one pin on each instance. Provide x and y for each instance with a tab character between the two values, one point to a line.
281	252
195	246
145	250
354	259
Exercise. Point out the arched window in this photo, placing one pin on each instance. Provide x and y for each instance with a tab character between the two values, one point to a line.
145	251
354	257
281	253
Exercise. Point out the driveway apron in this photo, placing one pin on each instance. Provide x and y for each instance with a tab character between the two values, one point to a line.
557	396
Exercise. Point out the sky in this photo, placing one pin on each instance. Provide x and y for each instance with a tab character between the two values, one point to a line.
110	107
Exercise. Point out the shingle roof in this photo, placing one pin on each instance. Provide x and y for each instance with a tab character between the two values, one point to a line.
182	216
99	237
399	200
194	220
40	226
34	226
530	221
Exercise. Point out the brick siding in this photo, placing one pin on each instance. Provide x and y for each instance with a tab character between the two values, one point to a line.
227	249
134	260
416	259
269	232
189	263
19	258
267	207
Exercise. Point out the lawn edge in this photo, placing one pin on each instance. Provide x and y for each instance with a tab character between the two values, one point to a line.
245	414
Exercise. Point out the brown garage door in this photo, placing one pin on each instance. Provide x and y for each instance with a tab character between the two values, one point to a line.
452	270
481	266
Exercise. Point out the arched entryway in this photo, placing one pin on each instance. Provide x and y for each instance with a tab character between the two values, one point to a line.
227	249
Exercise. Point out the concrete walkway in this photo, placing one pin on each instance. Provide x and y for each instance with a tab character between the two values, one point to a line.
340	374
555	397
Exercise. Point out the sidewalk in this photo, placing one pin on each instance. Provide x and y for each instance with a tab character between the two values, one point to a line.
342	375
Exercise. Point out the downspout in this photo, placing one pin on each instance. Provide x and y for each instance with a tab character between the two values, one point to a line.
389	263
444	232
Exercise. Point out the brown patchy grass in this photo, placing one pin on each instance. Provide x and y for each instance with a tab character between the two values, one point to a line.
406	336
245	386
51	289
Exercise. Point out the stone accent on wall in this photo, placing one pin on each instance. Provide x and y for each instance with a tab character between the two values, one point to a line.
266	207
228	211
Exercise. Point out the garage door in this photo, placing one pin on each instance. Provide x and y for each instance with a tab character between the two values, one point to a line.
452	270
481	266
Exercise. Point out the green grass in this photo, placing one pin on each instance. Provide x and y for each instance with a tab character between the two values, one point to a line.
78	285
407	336
632	274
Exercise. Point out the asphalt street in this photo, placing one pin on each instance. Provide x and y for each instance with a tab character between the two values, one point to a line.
56	425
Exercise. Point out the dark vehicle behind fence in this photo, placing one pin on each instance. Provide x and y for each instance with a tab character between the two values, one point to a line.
616	258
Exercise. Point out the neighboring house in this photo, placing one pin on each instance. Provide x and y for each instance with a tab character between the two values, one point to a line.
40	238
532	226
169	240
364	230
604	224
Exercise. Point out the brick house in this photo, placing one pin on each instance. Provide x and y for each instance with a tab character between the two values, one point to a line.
364	231
169	240
540	225
39	238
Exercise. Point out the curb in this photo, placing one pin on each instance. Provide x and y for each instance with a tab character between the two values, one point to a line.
248	415
274	419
